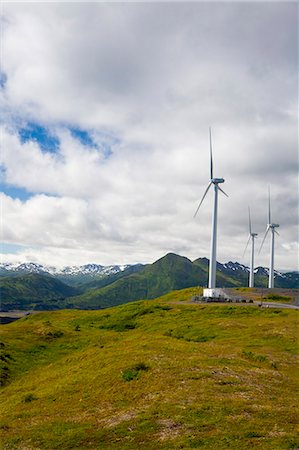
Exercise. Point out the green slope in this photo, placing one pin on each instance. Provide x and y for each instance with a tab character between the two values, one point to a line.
168	273
33	291
151	375
103	281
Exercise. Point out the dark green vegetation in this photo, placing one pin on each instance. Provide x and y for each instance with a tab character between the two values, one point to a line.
103	281
279	298
149	375
168	273
33	291
146	282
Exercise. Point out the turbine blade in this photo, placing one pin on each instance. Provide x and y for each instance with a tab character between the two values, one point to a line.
206	191
269	212
276	232
246	245
250	231
267	230
211	155
221	190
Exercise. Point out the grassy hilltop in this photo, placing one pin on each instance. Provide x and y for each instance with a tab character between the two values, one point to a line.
149	375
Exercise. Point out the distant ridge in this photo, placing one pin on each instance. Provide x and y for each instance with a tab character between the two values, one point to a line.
73	275
116	286
34	291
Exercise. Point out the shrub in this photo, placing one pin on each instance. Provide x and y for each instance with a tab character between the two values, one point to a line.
4	375
29	398
253	357
55	334
132	372
252	434
119	326
129	374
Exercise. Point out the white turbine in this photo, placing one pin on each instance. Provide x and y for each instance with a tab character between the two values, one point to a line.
271	226
215	182
251	238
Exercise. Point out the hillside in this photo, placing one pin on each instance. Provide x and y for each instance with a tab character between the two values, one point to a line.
129	284
103	281
150	375
170	273
33	291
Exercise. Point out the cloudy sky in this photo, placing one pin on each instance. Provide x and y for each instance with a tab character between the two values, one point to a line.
106	109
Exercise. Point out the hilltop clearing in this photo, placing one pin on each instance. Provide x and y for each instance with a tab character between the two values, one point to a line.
151	374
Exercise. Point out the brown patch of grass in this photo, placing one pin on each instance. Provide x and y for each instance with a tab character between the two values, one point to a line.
170	430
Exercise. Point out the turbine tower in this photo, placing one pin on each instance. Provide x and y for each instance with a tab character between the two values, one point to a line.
215	182
271	226
251	238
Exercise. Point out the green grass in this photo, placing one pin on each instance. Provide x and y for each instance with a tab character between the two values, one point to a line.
150	375
244	289
279	298
132	372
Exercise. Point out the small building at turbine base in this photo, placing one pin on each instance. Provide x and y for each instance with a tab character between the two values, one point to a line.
213	293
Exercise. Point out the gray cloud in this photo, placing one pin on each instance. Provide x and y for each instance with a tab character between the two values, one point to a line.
148	79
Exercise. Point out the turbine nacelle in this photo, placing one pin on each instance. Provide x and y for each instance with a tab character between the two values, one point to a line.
251	235
217	180
271	226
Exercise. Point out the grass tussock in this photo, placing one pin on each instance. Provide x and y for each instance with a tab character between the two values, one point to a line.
133	372
153	374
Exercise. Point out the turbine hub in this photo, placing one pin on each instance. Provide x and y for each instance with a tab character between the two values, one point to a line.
217	180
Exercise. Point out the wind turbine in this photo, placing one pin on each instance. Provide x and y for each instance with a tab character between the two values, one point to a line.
271	226
251	238
215	182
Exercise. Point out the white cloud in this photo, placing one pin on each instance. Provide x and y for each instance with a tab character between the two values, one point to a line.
147	80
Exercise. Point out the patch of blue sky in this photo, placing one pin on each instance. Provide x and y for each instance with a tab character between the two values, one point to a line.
106	142
48	141
95	139
15	192
39	134
107	151
83	136
7	248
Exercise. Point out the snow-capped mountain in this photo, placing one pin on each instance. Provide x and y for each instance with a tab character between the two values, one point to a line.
91	273
91	269
23	268
95	269
232	266
237	267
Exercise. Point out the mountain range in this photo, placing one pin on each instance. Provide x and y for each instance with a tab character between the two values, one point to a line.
72	275
32	286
